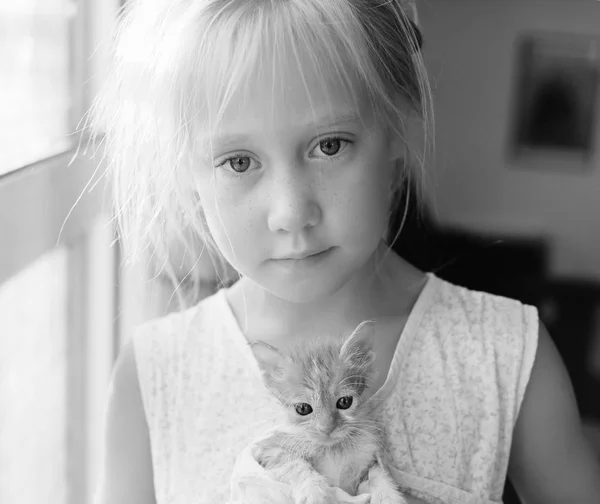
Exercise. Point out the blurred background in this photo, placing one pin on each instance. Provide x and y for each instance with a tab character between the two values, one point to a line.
513	209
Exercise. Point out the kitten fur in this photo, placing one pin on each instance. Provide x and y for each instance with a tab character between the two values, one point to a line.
332	445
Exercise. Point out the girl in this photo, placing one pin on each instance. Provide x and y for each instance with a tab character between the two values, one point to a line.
279	133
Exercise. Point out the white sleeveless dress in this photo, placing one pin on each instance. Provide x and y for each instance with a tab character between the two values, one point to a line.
450	400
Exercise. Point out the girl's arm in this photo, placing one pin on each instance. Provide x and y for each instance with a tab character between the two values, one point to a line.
551	461
127	469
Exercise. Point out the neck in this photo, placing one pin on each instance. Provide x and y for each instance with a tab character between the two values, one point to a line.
373	292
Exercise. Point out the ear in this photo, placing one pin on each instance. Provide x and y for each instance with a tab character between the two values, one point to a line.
359	343
268	357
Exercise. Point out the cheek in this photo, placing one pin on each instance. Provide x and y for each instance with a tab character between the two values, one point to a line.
293	417
363	203
356	416
229	220
299	421
346	415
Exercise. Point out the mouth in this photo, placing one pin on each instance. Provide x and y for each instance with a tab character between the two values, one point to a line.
303	256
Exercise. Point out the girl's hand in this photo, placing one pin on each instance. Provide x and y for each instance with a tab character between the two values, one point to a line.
551	461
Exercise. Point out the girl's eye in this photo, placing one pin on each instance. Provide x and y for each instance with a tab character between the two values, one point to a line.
332	146
239	164
303	409
344	402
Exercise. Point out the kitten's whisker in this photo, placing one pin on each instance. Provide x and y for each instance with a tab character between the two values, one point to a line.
368	420
370	427
370	423
353	384
381	443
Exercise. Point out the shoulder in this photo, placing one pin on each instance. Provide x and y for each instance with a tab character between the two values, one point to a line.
124	377
504	325
171	330
482	308
177	320
124	399
493	337
127	469
167	346
550	460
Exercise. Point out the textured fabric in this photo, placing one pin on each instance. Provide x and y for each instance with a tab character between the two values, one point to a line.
449	402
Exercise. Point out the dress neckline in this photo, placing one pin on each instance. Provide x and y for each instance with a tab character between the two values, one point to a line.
407	336
405	340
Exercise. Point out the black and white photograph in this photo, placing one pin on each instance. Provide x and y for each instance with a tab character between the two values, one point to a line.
300	252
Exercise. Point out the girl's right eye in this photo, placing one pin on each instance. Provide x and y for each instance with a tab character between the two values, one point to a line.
303	409
237	164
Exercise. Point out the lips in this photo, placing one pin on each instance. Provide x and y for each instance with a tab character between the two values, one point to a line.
298	256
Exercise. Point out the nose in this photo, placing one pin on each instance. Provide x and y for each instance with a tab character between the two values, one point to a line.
293	207
327	427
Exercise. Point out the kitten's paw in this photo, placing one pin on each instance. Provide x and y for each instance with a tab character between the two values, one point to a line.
387	496
383	488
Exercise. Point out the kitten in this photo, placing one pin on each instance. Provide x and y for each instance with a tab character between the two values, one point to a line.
332	438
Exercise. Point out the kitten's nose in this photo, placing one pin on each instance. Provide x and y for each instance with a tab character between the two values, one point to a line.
327	428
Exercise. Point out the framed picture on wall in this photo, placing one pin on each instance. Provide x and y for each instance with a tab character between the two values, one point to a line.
556	94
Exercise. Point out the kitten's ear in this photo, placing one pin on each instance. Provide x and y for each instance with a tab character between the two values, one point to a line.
268	357
359	344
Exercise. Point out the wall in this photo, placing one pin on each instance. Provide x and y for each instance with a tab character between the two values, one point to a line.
470	48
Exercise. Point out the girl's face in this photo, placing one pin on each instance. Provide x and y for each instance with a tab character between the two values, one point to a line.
296	190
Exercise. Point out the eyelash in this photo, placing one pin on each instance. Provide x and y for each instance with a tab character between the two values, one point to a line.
240	155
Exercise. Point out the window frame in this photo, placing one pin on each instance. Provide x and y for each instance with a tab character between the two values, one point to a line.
60	201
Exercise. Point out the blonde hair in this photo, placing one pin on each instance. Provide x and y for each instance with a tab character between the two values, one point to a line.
177	63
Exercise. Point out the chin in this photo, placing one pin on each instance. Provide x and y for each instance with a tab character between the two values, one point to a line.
313	286
310	290
310	285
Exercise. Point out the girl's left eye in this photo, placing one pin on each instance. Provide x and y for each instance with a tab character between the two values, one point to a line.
330	147
344	402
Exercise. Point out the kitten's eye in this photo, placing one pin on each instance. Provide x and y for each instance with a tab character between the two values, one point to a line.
303	409
344	402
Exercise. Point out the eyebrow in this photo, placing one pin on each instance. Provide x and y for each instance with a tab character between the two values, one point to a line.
326	121
337	120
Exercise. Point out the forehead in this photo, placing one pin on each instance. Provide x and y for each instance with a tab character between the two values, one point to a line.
287	92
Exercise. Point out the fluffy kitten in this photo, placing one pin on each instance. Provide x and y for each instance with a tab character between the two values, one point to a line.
332	438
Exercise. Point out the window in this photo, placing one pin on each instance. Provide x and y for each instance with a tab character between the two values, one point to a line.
58	322
35	80
35	383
